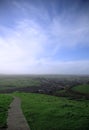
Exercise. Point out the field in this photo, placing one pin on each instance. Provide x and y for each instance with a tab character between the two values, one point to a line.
49	102
82	88
15	82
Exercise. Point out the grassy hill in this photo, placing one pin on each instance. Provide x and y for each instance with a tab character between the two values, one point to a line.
48	112
45	112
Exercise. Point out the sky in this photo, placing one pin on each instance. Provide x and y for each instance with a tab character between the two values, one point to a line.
44	36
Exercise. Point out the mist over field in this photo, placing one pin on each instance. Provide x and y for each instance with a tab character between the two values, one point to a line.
44	37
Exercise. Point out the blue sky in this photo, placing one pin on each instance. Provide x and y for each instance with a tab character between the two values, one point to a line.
44	36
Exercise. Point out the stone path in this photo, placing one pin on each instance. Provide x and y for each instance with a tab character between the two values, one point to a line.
16	119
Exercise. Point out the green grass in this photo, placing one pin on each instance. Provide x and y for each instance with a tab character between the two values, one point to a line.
5	101
9	83
82	88
45	112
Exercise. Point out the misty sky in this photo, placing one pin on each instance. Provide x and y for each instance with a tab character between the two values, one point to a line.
44	36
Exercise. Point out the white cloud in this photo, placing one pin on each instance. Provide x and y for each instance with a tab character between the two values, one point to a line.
30	46
21	47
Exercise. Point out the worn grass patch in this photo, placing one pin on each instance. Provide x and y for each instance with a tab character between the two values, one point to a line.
45	112
5	101
82	88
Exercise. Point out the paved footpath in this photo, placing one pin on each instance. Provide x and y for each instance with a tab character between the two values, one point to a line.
16	119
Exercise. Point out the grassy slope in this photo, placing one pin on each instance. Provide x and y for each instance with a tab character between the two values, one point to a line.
45	112
5	101
82	88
